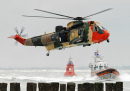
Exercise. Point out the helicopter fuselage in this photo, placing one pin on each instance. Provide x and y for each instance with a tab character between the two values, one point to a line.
75	34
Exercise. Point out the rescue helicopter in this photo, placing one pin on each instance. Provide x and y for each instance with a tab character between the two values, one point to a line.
77	33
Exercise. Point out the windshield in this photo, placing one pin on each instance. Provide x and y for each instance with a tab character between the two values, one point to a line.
100	29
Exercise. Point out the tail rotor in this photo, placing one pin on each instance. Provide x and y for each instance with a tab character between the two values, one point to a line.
19	34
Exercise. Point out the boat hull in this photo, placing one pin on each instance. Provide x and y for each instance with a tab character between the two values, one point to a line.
110	73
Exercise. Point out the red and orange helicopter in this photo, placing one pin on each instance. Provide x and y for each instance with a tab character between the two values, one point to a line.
76	33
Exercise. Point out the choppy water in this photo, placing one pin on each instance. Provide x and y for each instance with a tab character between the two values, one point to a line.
24	76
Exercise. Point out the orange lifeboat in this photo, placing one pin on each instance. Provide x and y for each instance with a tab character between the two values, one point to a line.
70	69
100	68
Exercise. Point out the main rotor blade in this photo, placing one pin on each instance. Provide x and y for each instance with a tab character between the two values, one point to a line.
53	13
48	17
98	12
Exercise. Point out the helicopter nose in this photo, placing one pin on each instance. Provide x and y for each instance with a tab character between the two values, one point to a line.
106	34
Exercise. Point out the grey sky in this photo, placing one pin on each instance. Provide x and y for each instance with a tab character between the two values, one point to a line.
116	21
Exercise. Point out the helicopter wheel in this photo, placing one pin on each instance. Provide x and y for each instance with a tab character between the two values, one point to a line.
108	40
47	54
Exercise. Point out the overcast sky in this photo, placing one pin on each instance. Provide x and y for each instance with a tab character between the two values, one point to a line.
116	21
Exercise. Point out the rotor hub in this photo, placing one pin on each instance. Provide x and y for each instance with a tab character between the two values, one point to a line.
79	18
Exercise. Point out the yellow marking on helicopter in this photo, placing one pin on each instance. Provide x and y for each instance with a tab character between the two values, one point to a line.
90	36
73	34
50	46
69	25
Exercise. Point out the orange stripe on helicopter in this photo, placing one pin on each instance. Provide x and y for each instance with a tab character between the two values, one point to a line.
89	23
91	28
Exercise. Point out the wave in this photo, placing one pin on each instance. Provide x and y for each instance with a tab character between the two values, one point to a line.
54	75
124	77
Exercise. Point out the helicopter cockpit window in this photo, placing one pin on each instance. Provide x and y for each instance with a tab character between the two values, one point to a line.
100	29
94	28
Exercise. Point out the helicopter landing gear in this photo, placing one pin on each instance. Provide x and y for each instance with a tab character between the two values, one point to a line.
47	53
108	40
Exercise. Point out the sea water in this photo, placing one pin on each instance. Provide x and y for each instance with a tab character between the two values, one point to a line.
36	76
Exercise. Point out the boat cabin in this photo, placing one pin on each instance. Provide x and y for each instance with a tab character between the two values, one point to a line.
98	64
